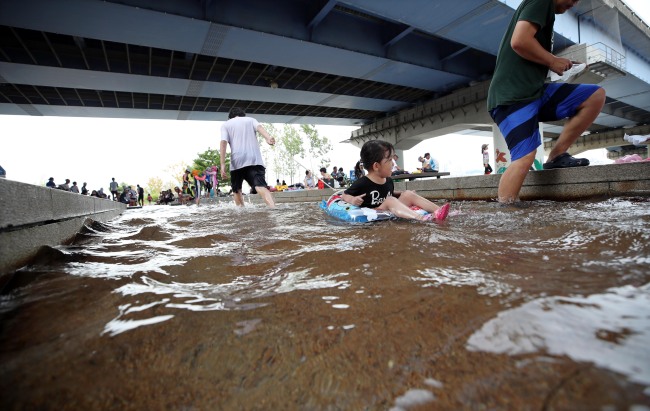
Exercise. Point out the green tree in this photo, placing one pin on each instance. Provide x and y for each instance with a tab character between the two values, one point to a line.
211	158
206	159
291	145
175	174
154	187
169	185
271	154
318	147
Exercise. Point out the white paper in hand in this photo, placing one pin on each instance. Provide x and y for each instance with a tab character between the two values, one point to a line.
573	71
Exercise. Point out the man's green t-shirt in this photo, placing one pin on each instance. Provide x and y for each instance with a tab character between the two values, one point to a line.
516	79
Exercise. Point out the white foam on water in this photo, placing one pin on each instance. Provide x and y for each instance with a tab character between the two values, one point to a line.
611	330
116	326
111	271
247	326
412	398
485	284
304	280
432	382
119	325
202	296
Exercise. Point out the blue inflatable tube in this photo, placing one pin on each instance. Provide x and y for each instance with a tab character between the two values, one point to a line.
343	211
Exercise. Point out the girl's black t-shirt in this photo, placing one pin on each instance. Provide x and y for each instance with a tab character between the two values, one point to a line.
375	193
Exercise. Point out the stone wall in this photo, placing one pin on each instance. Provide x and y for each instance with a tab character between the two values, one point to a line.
33	216
612	180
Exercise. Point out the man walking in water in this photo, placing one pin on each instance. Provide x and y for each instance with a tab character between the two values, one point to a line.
246	161
113	187
519	99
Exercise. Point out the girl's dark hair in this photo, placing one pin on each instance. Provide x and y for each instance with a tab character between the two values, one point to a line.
323	170
236	112
374	151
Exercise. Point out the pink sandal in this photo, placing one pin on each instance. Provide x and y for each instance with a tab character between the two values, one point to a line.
440	214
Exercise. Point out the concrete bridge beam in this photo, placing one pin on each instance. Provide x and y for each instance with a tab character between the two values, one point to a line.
467	109
459	111
643	151
605	139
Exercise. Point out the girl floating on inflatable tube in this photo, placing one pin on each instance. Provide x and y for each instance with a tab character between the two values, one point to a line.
376	190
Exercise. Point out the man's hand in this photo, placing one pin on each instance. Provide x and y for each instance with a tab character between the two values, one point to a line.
223	173
271	140
560	65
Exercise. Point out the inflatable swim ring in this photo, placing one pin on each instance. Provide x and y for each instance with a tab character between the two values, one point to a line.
338	208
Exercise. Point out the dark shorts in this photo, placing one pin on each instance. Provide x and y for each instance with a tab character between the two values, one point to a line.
519	123
254	176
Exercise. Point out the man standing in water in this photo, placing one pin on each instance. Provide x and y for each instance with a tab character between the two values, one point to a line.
113	188
519	99
246	161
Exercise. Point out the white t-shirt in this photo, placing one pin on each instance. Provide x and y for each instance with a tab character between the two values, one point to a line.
241	135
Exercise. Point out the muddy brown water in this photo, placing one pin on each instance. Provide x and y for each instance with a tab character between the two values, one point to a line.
545	307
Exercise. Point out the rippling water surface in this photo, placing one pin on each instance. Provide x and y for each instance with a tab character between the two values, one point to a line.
219	308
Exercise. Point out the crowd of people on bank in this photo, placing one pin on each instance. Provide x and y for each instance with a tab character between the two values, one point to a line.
197	184
334	179
126	195
74	188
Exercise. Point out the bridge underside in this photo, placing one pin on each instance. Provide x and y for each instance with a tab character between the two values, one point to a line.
341	62
405	71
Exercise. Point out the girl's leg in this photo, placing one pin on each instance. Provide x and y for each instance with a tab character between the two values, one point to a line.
411	198
400	209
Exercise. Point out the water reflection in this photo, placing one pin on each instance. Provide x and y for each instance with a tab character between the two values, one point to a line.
216	307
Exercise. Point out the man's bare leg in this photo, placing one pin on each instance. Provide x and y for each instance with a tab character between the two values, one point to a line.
266	196
576	125
239	198
513	178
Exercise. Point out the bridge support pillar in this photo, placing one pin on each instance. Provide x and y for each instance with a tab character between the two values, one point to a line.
502	154
400	158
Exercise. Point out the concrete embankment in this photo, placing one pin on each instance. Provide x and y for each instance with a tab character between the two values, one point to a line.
33	216
604	181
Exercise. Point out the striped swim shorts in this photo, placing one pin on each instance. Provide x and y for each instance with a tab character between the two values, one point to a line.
519	123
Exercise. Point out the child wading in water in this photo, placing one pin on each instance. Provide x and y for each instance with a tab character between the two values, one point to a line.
376	190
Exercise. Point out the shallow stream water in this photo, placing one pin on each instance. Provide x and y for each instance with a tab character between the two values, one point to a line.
219	308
